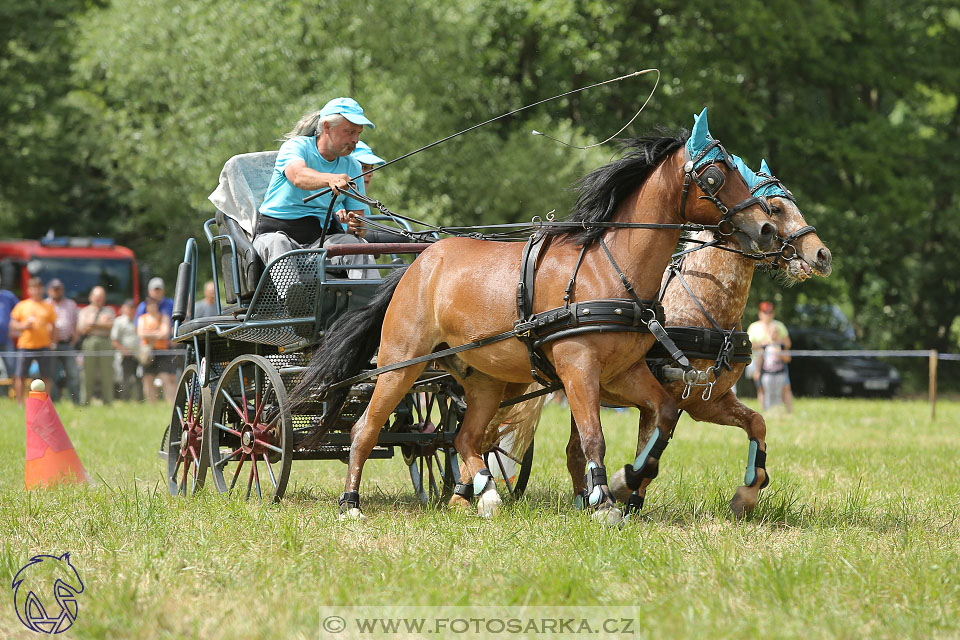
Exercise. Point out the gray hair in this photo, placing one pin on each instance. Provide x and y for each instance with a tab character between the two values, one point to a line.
311	124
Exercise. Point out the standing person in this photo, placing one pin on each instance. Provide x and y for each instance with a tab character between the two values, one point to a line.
316	155
125	340
169	362
155	291
35	319
208	306
8	300
67	314
770	373
94	325
153	328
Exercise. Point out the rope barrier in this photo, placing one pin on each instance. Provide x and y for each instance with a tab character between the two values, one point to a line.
73	352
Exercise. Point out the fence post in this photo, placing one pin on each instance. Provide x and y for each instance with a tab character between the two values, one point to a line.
933	384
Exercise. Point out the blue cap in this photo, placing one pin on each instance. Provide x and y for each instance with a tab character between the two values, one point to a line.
365	155
349	109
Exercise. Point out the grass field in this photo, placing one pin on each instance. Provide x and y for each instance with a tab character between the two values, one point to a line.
857	536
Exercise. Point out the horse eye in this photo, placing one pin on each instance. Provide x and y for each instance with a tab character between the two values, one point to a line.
775	209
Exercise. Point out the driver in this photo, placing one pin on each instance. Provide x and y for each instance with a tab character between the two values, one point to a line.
316	155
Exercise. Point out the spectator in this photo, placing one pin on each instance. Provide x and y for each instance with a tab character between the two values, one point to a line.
155	291
153	327
8	300
35	319
770	338
125	340
94	325
67	337
208	306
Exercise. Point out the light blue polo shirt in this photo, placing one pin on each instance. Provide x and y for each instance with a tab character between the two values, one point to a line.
283	200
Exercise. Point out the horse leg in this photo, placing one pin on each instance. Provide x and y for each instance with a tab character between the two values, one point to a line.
729	410
581	380
388	393
658	419
482	395
576	463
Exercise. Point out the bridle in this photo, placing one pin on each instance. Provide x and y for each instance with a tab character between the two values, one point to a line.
788	251
710	180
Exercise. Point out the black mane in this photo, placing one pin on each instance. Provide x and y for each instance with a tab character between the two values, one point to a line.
603	189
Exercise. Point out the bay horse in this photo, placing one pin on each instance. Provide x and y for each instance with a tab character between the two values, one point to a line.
461	290
719	285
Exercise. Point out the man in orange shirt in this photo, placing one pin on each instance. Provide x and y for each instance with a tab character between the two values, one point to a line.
35	319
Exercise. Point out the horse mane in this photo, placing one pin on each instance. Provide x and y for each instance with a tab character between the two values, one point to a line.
602	190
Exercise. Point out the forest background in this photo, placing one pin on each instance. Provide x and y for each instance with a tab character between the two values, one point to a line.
117	116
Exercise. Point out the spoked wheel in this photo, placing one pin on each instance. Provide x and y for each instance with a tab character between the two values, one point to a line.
433	467
186	468
509	466
250	438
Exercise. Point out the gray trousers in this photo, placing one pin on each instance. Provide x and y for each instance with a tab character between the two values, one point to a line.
272	245
773	384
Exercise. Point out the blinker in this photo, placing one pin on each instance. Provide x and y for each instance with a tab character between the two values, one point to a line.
713	177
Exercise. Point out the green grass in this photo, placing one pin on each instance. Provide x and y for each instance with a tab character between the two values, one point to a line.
857	536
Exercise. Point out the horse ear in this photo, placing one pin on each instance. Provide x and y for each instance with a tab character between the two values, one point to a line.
700	134
765	168
748	174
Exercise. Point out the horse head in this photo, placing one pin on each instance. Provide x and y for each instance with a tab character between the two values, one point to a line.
812	255
715	192
802	252
32	588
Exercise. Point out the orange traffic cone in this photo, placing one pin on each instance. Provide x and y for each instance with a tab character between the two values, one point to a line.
50	455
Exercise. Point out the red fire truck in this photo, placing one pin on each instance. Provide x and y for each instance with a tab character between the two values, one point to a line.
81	263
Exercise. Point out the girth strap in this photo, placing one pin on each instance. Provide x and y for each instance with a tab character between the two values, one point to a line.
528	321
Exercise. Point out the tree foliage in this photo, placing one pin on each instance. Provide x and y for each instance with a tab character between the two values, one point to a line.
118	117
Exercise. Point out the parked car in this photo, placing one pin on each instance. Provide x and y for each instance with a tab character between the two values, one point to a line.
844	375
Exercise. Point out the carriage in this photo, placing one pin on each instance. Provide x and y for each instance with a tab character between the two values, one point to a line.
232	416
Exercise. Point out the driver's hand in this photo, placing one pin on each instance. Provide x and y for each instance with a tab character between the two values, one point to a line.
338	182
355	224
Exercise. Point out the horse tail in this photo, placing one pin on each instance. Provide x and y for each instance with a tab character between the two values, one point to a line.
347	347
520	419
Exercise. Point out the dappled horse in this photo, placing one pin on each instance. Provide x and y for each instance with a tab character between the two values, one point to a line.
462	290
709	288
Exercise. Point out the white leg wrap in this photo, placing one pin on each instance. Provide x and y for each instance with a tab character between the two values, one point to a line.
353	513
489	502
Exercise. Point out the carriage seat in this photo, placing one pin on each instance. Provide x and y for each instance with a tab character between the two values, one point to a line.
249	264
243	183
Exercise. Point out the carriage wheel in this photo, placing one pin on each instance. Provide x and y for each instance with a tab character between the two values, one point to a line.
510	467
433	468
186	468
250	438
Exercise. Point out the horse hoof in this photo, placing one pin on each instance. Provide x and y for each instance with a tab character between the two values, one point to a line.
459	503
352	513
743	502
489	503
609	517
618	486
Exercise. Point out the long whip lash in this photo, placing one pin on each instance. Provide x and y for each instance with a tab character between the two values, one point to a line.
510	113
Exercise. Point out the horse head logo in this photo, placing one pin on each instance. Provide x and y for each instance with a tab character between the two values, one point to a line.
45	593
